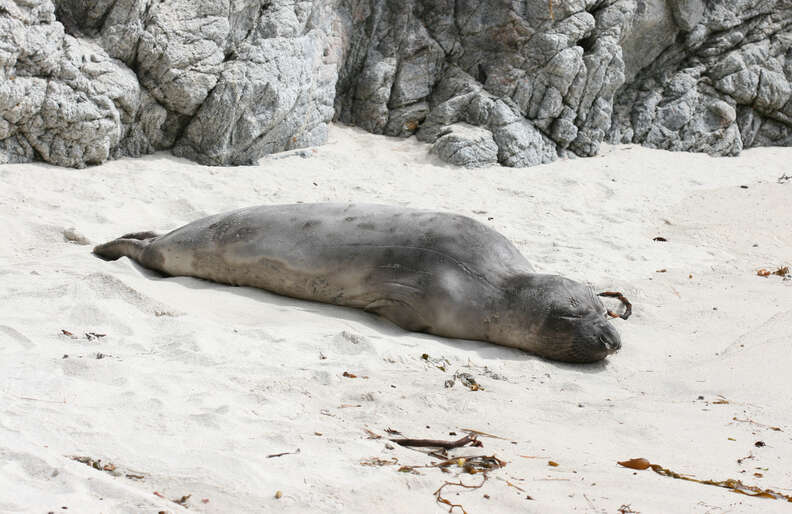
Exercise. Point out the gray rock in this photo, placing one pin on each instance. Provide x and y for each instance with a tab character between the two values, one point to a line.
653	30
687	13
521	144
722	88
369	107
277	95
466	145
404	121
518	141
226	82
62	100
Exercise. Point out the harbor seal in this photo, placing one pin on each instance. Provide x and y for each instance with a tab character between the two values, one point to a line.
426	271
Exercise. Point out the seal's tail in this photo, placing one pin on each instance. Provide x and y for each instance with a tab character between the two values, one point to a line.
128	245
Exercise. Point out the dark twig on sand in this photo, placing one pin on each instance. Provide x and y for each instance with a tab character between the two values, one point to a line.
434	443
273	455
625	301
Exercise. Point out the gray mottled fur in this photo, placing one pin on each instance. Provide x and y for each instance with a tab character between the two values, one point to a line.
426	271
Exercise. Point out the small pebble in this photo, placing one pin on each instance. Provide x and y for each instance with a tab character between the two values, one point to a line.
70	235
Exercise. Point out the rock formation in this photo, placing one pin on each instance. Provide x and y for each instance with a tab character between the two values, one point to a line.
227	81
723	85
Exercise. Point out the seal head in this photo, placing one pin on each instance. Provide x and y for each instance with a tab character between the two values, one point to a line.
572	325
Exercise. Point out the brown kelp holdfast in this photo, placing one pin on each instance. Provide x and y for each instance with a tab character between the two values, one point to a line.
625	301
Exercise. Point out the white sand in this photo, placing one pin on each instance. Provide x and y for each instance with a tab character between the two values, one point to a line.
200	382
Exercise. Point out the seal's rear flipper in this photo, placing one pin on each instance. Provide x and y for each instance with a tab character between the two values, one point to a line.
140	235
128	245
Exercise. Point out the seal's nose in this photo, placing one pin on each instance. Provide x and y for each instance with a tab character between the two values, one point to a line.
609	338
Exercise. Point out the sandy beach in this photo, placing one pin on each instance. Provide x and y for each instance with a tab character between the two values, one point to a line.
123	391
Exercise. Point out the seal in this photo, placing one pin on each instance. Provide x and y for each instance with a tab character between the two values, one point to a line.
426	271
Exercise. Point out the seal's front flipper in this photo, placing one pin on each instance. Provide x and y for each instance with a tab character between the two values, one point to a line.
399	312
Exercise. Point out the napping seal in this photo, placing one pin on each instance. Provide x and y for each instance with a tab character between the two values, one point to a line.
434	272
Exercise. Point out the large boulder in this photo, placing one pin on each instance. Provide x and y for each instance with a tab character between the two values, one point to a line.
64	100
724	85
465	145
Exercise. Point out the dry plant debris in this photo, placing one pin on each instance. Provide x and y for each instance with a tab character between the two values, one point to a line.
91	336
452	506
376	461
734	485
440	363
469	464
96	464
466	379
352	375
482	434
372	435
180	501
107	468
781	271
748	420
749	456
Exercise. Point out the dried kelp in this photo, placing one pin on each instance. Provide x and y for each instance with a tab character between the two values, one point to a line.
732	484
